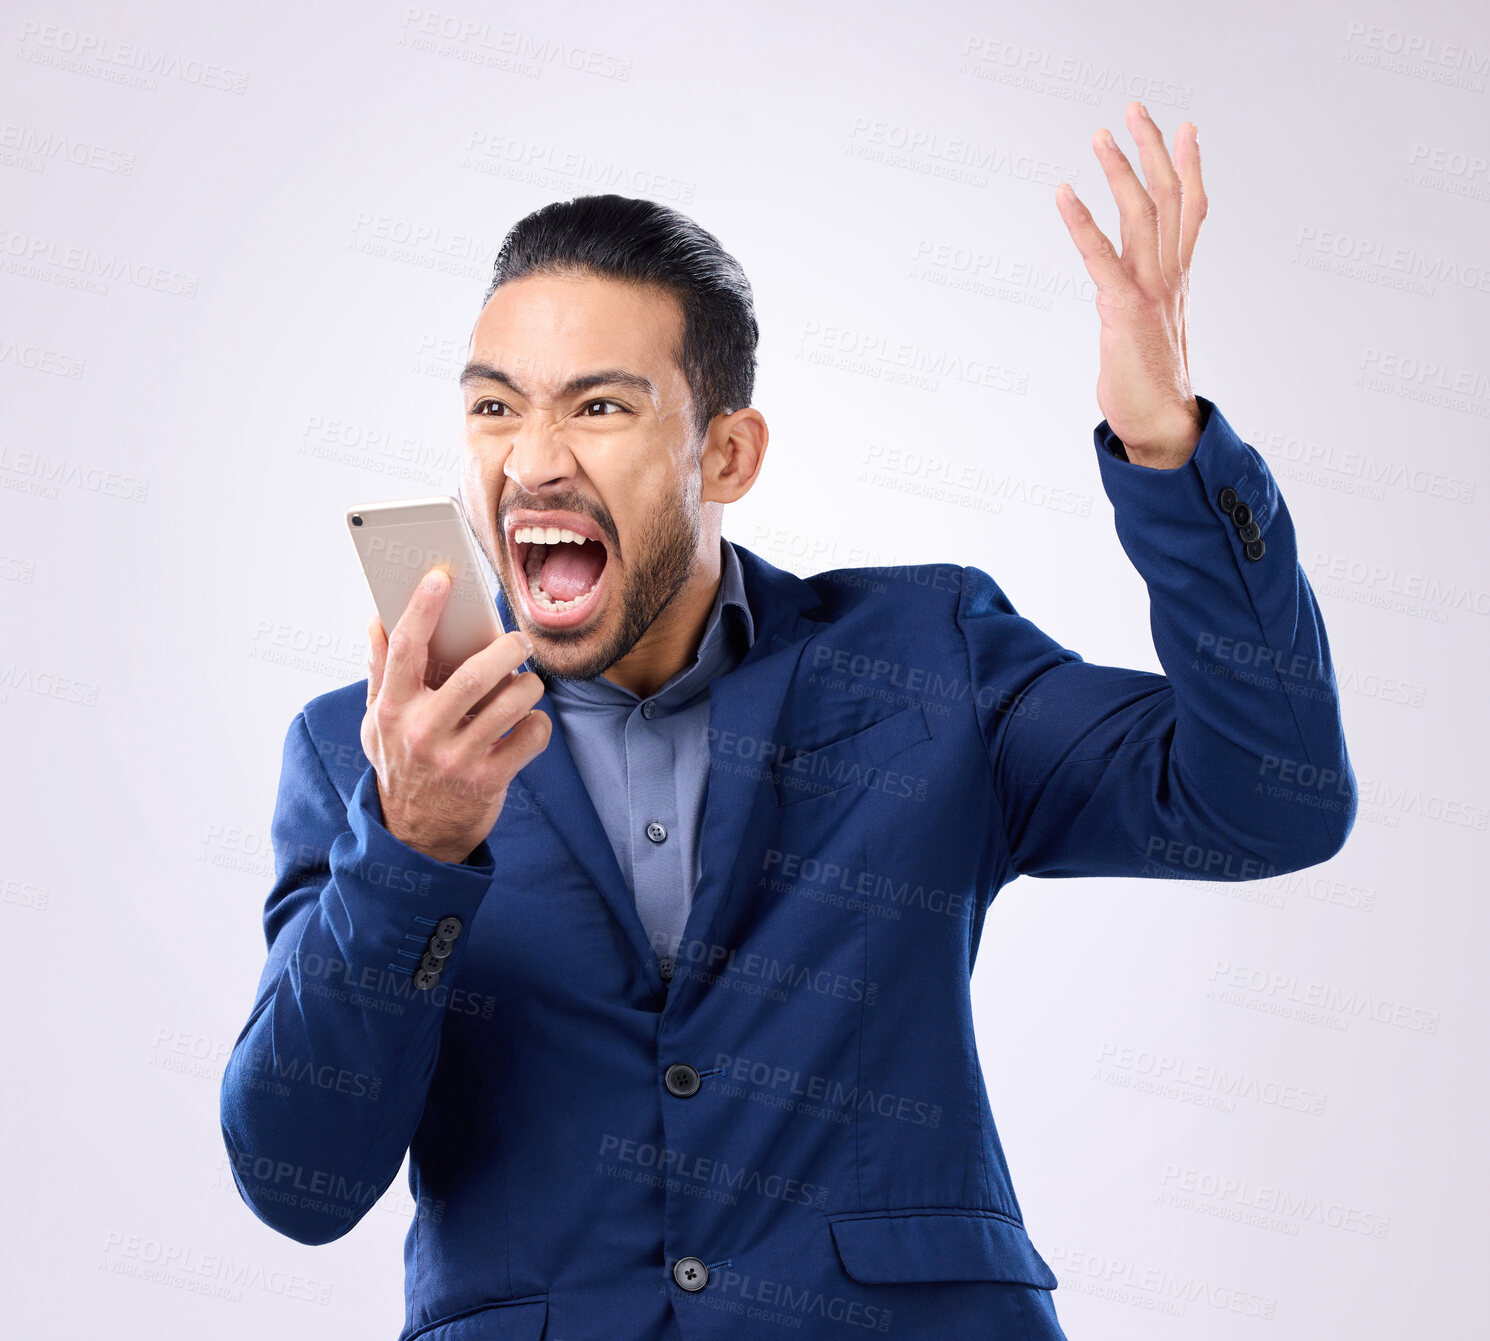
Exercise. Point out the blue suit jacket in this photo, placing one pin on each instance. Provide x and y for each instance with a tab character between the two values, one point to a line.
897	745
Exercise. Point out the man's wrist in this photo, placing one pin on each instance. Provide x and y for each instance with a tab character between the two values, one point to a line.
1170	448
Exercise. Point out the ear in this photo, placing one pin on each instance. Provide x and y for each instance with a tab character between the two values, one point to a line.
733	453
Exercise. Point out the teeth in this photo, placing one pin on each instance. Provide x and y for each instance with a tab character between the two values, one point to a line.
547	535
542	599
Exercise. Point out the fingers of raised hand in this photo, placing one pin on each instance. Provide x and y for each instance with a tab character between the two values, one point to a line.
1097	252
1138	212
1158	221
1165	189
1187	163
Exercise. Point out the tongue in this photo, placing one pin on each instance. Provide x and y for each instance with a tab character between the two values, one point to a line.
571	570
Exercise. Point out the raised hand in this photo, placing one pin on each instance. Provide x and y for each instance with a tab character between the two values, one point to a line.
1143	388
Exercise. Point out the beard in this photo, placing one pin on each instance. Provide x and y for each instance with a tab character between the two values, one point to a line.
663	559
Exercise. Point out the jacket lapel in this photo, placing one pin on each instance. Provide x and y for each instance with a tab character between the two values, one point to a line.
556	791
745	709
745	705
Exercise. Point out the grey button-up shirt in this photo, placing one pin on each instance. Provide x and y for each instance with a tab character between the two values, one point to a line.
645	762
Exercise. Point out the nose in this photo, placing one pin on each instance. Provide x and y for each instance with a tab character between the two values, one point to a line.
539	459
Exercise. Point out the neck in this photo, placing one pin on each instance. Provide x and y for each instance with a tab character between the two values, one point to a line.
672	641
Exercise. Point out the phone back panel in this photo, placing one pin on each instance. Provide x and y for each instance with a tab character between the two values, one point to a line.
398	542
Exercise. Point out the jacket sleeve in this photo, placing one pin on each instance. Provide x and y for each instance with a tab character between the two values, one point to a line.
325	1085
1232	764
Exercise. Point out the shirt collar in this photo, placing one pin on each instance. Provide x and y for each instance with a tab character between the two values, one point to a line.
732	593
725	639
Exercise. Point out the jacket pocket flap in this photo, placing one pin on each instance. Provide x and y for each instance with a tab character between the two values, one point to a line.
929	1243
850	759
509	1320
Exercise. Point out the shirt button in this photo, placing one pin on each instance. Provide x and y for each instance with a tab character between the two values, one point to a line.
649	710
681	1080
665	967
690	1273
656	832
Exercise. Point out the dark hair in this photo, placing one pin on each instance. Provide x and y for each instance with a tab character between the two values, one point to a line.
647	243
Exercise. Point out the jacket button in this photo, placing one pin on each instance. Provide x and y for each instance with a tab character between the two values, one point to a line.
440	948
681	1079
431	963
425	978
1241	514
690	1273
656	832
1256	550
1227	499
1248	533
449	928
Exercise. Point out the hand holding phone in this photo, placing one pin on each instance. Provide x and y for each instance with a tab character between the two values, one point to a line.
447	724
445	757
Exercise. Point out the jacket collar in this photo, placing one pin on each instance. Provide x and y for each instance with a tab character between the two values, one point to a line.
745	706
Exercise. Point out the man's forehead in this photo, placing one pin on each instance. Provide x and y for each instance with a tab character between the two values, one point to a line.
556	338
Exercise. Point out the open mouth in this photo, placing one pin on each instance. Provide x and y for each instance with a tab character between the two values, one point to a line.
560	563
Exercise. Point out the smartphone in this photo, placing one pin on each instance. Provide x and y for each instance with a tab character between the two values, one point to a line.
398	542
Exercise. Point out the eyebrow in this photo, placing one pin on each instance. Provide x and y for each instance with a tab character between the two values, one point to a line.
484	372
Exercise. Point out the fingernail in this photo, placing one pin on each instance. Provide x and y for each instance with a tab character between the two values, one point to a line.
1142	110
1108	140
432	579
527	642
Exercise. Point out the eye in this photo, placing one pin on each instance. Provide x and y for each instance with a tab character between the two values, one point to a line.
621	408
479	409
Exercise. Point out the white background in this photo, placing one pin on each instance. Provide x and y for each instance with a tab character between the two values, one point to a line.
241	257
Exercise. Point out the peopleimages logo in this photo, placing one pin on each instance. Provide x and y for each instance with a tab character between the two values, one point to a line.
131	63
673	1163
1290	989
205	1274
1172	1076
1265	1205
1388	580
828	1092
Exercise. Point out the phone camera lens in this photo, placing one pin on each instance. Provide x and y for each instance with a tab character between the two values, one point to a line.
356	519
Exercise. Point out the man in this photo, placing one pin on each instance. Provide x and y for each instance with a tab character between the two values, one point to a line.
659	964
